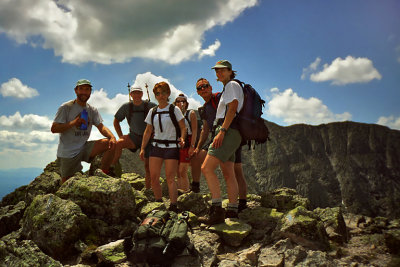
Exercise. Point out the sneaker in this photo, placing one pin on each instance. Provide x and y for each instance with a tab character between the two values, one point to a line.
216	216
231	214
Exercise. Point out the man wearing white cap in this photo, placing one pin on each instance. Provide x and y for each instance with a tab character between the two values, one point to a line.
74	121
135	112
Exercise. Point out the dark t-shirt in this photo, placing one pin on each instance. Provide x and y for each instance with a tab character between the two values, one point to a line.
136	124
210	110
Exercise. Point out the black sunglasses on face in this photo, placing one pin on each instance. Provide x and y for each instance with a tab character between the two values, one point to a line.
200	87
180	101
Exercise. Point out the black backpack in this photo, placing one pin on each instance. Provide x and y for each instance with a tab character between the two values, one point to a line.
145	110
171	112
250	124
160	237
199	125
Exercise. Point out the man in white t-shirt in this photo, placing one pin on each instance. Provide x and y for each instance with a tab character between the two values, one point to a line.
73	121
227	140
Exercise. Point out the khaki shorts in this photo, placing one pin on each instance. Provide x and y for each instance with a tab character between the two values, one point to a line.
231	143
69	166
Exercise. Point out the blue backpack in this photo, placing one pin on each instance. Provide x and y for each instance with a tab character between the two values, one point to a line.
250	124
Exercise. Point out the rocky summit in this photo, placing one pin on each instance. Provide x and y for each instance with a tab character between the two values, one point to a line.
316	198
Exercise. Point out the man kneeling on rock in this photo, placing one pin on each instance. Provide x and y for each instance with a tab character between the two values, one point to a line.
73	121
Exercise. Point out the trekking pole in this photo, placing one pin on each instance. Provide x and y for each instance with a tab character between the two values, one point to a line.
147	89
129	92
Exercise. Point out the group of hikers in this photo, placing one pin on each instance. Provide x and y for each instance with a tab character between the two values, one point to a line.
164	133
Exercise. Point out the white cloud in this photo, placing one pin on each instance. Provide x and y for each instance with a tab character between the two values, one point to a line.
103	103
313	67
391	122
26	122
345	71
25	141
292	109
105	32
15	88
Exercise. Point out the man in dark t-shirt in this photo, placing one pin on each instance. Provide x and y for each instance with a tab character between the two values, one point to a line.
135	112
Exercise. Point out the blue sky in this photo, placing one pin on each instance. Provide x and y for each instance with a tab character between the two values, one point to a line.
313	61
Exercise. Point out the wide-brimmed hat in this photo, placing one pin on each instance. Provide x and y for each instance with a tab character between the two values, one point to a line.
83	82
223	64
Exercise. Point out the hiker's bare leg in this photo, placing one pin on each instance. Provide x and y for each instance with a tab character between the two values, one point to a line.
124	142
147	169
99	147
183	180
230	180
155	166
241	181
196	163
171	166
208	170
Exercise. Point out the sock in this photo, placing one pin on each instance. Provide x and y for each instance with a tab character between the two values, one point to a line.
233	207
216	202
196	184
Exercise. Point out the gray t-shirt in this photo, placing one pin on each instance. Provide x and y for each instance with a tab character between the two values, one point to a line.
73	140
137	124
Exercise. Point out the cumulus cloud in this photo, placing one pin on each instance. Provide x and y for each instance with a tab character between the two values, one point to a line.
26	122
313	67
344	71
292	108
391	122
25	141
103	103
15	88
105	31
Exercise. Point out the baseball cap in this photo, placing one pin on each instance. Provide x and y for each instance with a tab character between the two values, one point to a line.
223	64
82	82
136	88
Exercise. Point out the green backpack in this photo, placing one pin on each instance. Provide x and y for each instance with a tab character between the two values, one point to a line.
160	237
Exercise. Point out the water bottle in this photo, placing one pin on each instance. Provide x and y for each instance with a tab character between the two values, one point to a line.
84	115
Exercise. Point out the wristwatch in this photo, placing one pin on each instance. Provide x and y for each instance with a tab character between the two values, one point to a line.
223	130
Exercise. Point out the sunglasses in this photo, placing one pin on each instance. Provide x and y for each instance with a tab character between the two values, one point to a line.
180	101
201	87
161	93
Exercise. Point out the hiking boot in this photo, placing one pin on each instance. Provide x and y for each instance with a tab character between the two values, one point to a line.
174	208
242	206
231	214
195	188
216	216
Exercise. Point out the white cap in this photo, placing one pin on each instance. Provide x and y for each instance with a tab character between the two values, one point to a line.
136	88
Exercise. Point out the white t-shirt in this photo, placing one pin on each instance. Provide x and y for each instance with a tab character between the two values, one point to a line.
73	139
232	91
169	132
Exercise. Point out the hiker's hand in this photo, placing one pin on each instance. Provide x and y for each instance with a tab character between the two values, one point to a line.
196	151
141	154
181	142
219	138
78	121
112	142
191	152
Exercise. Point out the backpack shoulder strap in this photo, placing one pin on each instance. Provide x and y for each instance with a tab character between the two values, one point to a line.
153	113
187	114
174	120
130	111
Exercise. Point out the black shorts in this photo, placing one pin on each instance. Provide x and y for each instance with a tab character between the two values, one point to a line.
137	140
164	153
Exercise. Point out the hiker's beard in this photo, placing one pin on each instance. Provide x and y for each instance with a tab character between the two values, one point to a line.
83	98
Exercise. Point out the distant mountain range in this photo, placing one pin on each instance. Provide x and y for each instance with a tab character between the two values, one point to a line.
11	179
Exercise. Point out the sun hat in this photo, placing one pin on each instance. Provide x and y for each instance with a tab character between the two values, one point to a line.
223	64
136	88
82	82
